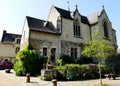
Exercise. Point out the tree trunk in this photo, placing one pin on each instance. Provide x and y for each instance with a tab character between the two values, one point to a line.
100	71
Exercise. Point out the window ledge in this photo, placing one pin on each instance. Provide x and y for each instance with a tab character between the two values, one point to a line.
78	37
106	39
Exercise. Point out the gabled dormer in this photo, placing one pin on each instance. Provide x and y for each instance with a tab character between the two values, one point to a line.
55	16
76	23
76	14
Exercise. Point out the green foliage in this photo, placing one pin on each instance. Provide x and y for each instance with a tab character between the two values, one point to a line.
85	71
59	62
19	69
42	60
71	73
61	72
98	48
104	85
114	62
66	59
85	60
28	62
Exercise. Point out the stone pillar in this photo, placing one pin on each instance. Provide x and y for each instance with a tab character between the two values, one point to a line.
27	78
54	81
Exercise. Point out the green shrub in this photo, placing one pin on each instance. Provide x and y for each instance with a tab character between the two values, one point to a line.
85	60
66	59
76	71
42	60
19	69
28	62
113	62
61	72
68	72
72	72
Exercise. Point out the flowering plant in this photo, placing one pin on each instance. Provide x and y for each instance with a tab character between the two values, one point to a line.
60	62
6	65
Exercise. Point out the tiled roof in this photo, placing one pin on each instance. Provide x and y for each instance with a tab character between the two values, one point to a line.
9	38
40	25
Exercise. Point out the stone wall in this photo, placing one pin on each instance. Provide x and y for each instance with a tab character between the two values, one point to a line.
66	45
39	40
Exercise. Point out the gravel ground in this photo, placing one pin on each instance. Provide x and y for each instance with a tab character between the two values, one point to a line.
9	79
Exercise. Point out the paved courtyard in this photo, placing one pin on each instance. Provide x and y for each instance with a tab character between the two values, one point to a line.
12	80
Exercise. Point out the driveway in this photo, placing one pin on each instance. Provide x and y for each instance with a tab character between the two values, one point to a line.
12	80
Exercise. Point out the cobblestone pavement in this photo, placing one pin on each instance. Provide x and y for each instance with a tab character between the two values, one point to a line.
9	79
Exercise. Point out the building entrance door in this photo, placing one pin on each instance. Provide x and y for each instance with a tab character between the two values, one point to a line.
53	54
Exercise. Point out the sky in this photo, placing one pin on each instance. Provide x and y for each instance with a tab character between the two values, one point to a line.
13	12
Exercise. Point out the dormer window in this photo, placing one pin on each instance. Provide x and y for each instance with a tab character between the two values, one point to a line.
76	29
59	24
18	41
105	29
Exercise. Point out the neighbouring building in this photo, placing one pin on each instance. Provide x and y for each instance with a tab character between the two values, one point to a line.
66	32
118	50
9	46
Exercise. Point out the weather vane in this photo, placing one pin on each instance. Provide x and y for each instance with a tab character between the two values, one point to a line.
68	6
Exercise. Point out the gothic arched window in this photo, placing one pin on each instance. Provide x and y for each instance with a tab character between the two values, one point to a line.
105	29
76	29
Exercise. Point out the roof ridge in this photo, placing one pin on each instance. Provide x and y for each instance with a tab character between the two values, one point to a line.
35	18
62	9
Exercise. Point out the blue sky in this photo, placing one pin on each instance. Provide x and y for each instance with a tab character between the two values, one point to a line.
13	12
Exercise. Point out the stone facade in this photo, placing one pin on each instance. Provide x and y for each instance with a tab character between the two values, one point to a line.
66	32
9	46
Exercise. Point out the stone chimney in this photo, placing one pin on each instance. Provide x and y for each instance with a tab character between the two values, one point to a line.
4	31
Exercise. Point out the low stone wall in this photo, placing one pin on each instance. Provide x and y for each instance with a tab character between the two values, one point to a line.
48	74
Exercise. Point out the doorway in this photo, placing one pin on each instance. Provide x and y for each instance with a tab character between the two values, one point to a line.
53	54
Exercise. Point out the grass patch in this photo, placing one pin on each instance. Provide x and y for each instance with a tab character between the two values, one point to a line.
103	85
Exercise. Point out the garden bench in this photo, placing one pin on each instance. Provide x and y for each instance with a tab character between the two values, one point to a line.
110	76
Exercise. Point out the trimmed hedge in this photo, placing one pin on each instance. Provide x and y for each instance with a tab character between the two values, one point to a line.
67	59
77	72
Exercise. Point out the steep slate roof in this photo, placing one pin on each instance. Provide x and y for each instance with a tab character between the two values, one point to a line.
9	38
46	26
40	25
67	14
85	20
64	13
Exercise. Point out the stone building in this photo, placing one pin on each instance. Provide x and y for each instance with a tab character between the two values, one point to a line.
9	46
66	32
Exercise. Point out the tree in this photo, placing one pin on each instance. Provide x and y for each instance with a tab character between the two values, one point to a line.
99	48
